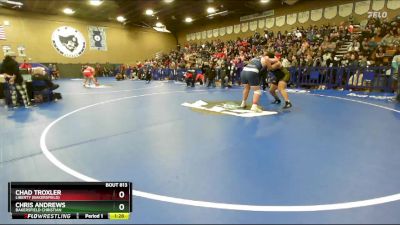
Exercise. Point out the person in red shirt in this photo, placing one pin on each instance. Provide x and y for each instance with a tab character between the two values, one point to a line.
189	77
278	55
200	78
26	66
89	72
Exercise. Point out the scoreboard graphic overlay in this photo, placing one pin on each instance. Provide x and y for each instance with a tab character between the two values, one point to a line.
70	200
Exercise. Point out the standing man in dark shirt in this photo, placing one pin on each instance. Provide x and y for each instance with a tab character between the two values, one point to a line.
211	73
148	75
14	78
191	76
224	76
204	68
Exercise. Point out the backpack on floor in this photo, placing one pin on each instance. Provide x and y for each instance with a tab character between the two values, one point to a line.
57	96
38	98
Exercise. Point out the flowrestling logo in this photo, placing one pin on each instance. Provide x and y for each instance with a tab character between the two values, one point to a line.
68	41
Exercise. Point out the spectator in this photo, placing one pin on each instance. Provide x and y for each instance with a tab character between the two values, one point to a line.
379	54
39	73
211	74
119	77
327	59
148	75
390	39
10	68
294	62
363	63
355	46
54	74
238	67
353	61
190	76
317	60
395	72
99	70
129	71
224	76
365	47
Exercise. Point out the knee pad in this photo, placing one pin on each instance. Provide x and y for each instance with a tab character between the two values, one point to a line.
258	92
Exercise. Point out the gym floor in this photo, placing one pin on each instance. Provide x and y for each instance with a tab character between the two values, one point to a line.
332	158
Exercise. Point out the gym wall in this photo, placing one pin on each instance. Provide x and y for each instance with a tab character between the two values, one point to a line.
308	5
125	44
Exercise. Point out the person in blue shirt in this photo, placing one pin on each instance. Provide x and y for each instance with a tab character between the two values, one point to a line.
250	77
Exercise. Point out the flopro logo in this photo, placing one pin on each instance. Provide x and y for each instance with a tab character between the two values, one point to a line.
68	41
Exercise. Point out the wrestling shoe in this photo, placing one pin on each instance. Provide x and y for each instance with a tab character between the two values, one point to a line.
243	105
276	101
287	105
256	108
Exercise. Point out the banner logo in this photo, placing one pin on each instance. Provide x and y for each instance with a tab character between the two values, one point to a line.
69	42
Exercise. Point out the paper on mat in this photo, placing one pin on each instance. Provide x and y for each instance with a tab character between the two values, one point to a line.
94	86
227	110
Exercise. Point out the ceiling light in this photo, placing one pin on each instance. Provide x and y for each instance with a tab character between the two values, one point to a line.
211	10
95	2
121	19
68	11
265	1
168	1
149	12
188	20
159	24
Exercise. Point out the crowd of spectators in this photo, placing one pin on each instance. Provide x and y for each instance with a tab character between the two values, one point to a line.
347	44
